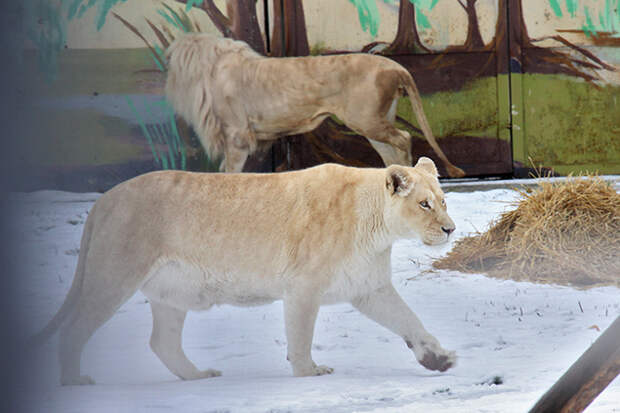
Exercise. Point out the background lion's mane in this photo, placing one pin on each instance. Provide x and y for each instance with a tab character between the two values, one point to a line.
192	91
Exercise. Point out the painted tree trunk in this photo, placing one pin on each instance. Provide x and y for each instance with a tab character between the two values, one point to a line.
508	38
407	39
294	36
474	38
518	53
244	24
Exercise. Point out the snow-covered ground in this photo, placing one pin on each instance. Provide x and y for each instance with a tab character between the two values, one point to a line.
513	339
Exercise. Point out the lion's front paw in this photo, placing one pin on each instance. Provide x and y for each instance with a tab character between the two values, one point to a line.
77	381
321	370
431	355
441	361
312	370
205	374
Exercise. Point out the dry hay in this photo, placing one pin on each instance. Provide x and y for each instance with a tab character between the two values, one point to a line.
562	233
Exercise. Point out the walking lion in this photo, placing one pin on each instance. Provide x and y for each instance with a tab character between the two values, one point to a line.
239	101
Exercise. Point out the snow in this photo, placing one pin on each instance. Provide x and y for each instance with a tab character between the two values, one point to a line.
513	339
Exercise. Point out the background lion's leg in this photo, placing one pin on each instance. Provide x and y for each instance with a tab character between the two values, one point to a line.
234	158
391	155
380	129
386	307
300	311
166	342
386	134
392	144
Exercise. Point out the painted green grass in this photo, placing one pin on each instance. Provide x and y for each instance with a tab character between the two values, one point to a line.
472	111
567	123
570	122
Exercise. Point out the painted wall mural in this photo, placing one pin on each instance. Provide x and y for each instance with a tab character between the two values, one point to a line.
506	84
534	75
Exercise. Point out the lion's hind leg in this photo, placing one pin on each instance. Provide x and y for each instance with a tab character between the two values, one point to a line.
392	144
377	124
166	342
391	155
92	310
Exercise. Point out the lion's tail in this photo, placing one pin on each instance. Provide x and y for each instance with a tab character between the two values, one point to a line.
189	87
76	287
418	109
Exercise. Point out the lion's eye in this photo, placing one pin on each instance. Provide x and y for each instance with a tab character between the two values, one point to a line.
425	205
443	202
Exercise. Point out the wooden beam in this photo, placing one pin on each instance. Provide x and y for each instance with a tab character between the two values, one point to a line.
586	378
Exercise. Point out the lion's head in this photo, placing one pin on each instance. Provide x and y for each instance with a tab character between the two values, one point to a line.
417	203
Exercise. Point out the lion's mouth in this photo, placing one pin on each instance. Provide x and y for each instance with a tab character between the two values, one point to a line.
435	240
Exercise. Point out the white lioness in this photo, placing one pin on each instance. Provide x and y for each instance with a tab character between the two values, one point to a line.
189	241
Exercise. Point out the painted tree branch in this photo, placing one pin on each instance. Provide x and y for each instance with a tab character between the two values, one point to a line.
581	50
131	27
522	50
219	19
160	35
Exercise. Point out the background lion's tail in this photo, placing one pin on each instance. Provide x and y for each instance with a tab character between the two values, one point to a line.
76	287
418	109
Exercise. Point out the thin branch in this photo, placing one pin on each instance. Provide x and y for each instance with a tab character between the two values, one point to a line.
585	63
556	59
462	5
137	33
219	19
575	47
162	39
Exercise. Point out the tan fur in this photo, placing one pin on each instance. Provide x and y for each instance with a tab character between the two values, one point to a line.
234	98
189	241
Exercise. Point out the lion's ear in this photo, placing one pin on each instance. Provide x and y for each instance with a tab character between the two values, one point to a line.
398	180
427	164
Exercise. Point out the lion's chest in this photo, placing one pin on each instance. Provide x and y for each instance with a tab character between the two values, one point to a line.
359	277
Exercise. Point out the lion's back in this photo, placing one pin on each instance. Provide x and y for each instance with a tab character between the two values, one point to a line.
263	223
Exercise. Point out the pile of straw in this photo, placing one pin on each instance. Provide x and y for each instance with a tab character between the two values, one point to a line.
562	233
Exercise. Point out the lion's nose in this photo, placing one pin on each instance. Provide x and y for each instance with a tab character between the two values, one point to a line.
448	231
